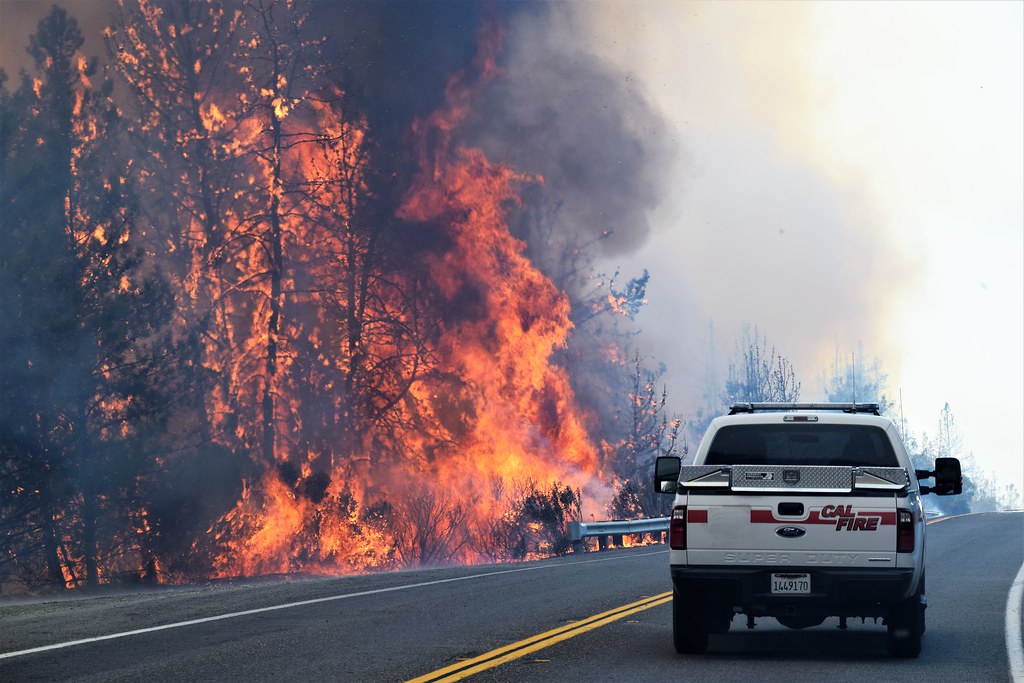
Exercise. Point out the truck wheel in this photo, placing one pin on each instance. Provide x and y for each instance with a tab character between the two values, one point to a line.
924	604
689	626
905	626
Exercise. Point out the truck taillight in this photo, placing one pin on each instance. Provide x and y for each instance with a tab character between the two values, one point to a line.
677	529
904	531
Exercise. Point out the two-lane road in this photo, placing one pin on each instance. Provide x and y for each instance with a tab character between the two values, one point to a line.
596	617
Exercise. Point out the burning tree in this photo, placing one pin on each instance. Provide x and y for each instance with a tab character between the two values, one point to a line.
502	320
173	59
84	320
303	334
649	433
340	361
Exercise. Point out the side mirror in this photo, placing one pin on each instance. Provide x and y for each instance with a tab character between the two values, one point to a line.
948	478
666	473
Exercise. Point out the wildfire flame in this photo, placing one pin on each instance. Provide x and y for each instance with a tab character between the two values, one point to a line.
332	358
509	417
527	422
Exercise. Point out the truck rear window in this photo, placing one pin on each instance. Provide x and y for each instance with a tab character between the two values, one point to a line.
805	444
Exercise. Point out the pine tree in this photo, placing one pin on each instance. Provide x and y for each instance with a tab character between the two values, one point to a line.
759	373
87	316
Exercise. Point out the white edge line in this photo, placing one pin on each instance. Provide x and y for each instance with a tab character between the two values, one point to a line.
1014	644
1014	610
302	603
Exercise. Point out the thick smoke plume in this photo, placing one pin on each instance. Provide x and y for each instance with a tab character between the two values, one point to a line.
557	110
582	123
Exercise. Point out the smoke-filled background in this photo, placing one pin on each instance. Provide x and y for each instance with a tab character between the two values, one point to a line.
850	184
633	200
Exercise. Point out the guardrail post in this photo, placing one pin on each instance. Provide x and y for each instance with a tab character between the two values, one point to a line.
576	531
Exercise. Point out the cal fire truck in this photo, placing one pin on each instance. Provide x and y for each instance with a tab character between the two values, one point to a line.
800	511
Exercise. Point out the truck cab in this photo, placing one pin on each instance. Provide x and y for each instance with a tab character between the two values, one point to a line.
800	512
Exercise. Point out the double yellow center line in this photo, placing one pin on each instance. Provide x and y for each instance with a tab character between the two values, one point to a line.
489	660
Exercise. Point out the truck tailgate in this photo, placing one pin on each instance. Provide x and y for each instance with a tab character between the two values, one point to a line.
750	530
792	516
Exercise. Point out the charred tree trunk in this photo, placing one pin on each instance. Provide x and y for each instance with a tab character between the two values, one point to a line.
87	473
51	542
276	254
355	305
87	476
273	330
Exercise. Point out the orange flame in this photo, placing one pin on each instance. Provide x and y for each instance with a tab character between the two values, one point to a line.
504	411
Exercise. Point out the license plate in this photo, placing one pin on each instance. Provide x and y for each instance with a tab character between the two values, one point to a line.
791	584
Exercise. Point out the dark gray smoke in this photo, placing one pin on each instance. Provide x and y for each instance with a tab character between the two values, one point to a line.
394	56
581	123
556	110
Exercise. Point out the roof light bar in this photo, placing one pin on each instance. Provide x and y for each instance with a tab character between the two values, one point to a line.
844	407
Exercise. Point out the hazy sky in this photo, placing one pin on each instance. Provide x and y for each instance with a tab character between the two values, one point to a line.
852	174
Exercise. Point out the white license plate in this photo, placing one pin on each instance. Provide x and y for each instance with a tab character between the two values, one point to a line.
791	584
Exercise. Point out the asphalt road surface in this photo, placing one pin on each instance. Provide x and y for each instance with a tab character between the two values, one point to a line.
595	617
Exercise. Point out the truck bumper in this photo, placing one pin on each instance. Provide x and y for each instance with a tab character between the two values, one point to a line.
834	592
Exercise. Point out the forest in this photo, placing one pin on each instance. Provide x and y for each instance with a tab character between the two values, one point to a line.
256	326
267	313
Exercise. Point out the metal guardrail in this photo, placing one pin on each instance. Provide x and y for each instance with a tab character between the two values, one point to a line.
602	530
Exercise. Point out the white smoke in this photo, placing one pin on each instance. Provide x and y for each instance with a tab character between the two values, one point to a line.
760	224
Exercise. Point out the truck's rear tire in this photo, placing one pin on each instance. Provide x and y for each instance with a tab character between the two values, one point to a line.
690	626
906	626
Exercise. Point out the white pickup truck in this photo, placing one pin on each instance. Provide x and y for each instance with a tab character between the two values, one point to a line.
800	511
